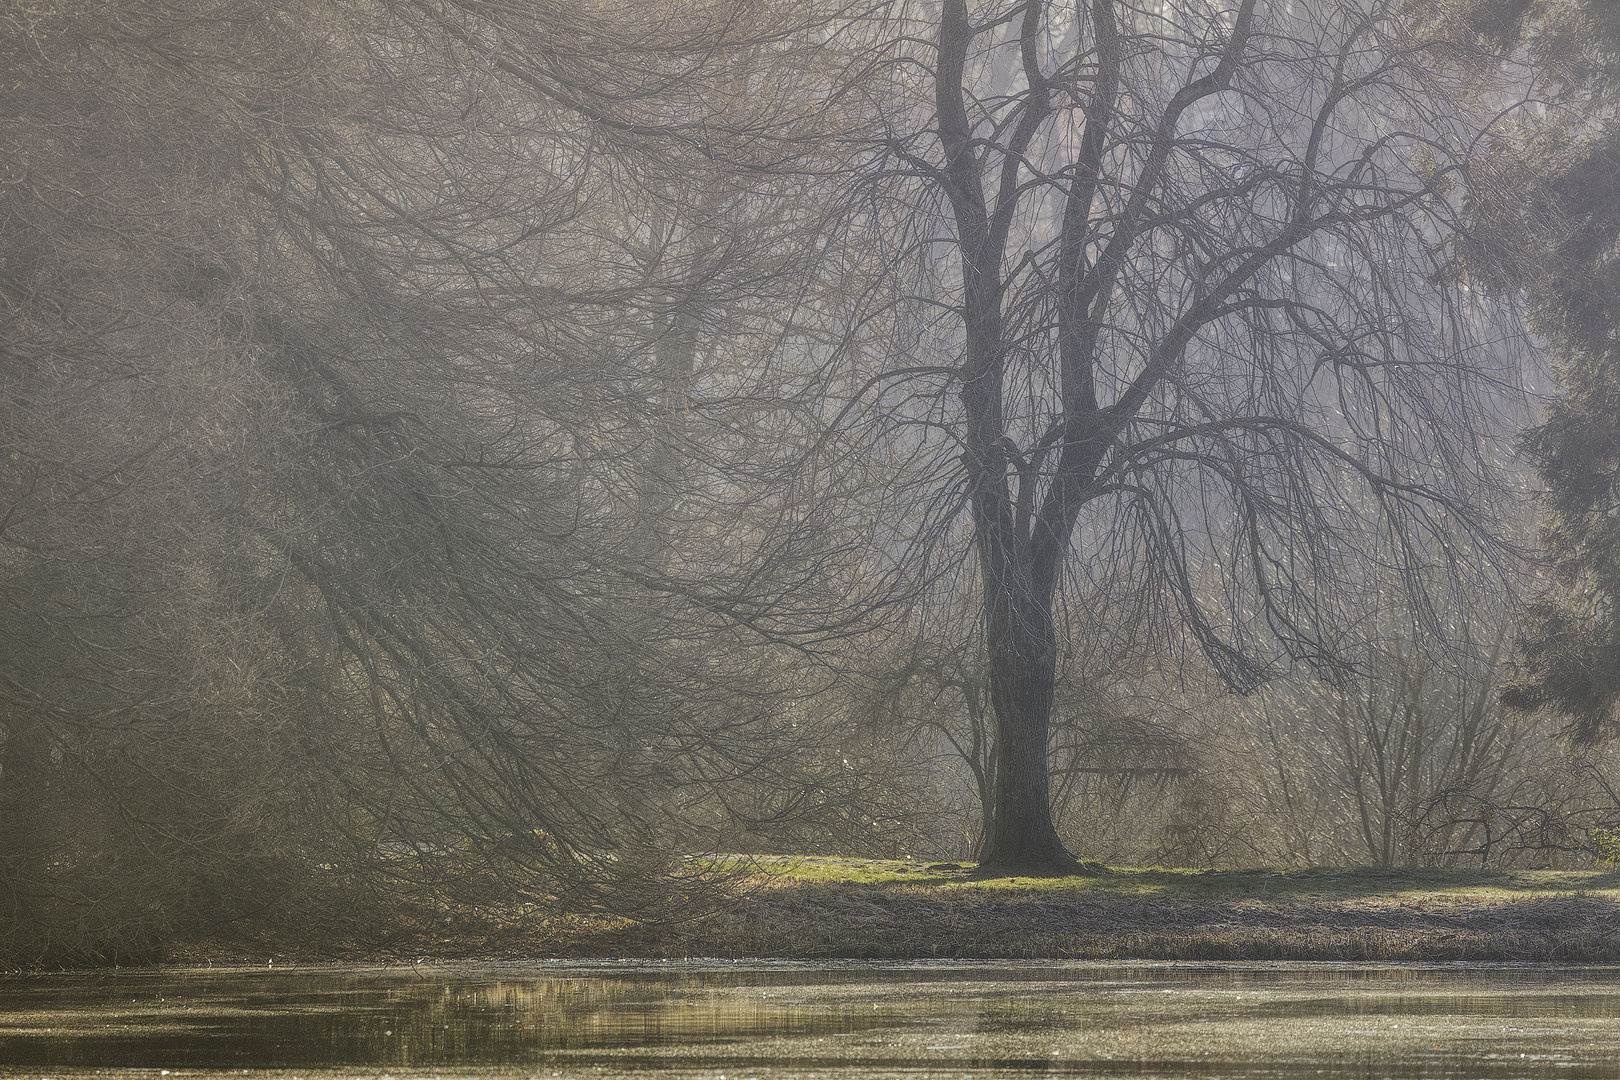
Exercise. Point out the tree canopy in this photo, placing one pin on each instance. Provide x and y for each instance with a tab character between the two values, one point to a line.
395	476
1546	224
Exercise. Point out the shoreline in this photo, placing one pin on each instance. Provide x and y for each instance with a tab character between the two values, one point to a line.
1570	917
874	926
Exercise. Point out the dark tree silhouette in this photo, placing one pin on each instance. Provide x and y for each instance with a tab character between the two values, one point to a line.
1188	256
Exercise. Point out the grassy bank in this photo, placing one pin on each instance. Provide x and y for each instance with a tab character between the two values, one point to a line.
813	908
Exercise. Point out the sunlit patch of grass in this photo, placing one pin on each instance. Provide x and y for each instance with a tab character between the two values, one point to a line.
1430	885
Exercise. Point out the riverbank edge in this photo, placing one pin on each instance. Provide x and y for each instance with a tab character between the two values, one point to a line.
1568	918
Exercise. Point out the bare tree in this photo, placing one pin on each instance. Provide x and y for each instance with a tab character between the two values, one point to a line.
342	349
1353	759
1192	314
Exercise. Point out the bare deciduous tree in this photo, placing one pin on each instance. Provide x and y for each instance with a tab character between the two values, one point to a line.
1193	314
342	349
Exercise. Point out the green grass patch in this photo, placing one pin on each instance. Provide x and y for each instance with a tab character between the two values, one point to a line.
1325	883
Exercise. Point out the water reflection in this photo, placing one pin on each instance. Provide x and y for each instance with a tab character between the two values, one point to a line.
845	1020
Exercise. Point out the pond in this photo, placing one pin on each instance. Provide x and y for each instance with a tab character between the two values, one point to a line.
829	1021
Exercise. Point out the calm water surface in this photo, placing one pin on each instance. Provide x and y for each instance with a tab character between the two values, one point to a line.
838	1021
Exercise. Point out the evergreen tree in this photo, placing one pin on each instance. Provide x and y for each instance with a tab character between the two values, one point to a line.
1547	226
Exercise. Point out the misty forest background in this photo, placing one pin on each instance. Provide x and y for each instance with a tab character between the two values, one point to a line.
503	450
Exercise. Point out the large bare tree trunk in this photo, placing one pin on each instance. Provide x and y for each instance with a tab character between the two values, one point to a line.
1023	667
1018	574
